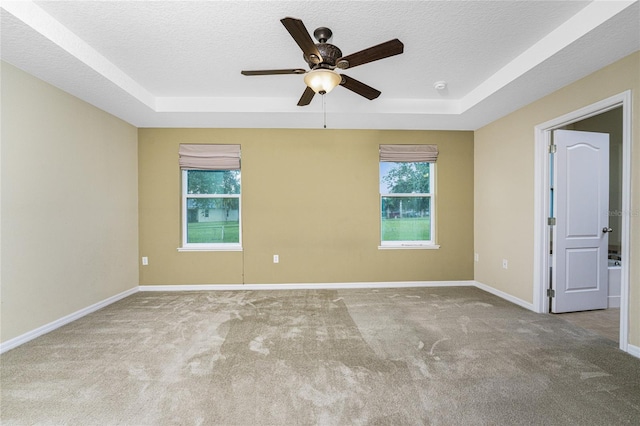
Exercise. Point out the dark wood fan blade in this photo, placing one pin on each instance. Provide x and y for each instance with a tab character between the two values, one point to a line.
301	36
306	97
359	87
380	51
274	72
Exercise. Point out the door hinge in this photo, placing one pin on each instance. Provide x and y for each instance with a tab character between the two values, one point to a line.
552	149
551	292
551	221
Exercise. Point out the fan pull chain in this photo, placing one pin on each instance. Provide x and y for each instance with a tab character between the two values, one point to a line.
324	111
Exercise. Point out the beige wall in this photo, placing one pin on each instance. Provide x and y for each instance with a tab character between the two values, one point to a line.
504	180
69	204
310	196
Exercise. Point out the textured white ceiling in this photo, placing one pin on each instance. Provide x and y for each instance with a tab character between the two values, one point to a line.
178	63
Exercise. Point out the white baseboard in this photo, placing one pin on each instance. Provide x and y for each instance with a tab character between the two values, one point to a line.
305	286
24	338
633	350
30	335
17	341
613	301
505	296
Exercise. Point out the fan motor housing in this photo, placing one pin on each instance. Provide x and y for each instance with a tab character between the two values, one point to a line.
329	53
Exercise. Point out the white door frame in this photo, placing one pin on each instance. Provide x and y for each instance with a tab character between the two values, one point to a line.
541	203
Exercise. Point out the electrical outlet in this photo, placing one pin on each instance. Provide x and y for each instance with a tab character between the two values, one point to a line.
505	264
476	257
276	258
145	260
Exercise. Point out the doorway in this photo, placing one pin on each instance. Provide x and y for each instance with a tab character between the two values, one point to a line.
589	118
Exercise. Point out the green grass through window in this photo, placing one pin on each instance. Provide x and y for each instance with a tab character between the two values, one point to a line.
213	232
406	229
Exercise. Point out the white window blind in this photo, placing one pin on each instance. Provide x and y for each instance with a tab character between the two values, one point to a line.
209	157
409	153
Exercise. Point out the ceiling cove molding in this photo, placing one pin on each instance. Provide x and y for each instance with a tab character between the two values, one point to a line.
282	104
45	24
592	16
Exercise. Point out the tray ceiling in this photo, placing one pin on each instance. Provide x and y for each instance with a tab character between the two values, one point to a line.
177	64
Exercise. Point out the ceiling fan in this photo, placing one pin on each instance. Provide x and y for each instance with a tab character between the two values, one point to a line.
323	58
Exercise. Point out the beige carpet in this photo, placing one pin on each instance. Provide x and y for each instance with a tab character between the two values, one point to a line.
604	322
414	356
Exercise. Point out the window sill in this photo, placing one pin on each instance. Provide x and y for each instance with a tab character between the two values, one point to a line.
210	248
410	247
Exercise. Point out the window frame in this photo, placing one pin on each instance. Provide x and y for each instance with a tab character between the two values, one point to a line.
411	244
186	246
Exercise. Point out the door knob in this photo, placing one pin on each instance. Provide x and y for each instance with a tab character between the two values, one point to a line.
605	230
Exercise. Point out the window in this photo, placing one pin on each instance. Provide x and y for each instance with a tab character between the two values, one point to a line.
211	213
406	196
212	203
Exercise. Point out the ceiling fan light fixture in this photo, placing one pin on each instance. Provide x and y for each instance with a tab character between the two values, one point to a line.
322	80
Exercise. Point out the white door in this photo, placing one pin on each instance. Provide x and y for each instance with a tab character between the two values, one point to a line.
580	237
